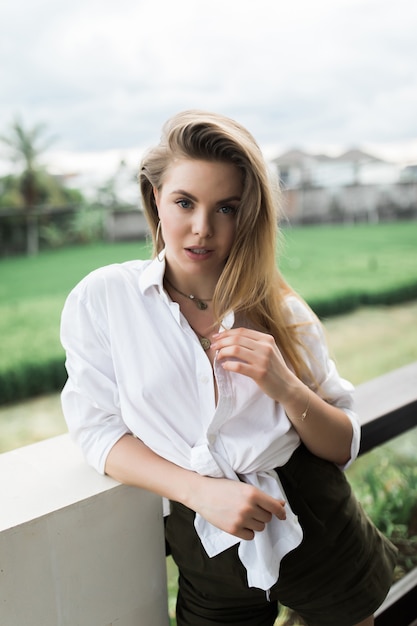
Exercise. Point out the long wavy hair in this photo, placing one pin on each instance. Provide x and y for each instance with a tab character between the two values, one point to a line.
250	284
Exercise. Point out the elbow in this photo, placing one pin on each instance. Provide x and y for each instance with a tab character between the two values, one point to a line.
344	462
345	456
347	448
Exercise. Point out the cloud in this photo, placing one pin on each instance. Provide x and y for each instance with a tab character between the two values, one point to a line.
105	75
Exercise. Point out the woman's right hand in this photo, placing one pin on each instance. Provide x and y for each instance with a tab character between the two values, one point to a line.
235	507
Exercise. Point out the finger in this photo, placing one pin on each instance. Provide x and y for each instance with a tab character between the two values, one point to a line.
246	533
232	355
223	343
245	366
261	515
241	331
258	526
237	335
255	337
275	507
243	348
282	514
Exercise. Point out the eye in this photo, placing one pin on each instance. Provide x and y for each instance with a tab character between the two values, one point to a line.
184	204
228	210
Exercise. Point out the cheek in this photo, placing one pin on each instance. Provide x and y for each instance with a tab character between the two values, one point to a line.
171	227
230	235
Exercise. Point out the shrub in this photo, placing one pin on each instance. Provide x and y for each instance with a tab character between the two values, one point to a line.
30	379
385	483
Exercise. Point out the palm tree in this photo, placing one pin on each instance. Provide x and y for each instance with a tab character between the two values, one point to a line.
25	145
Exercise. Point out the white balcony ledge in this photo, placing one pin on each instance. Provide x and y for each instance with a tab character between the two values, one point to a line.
77	548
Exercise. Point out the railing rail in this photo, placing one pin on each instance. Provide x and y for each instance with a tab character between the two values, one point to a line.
387	406
78	549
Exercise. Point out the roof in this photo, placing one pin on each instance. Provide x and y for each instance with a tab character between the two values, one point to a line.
298	157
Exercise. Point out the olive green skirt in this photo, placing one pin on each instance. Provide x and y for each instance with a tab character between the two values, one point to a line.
339	575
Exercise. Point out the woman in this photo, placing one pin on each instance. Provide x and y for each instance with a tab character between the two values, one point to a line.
201	376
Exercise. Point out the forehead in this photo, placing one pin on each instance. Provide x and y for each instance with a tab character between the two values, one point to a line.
194	174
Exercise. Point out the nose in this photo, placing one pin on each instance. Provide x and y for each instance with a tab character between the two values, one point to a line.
202	224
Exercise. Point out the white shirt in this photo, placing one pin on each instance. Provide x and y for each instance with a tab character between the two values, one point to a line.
135	366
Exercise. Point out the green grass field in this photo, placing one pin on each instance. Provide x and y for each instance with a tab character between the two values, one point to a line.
323	260
33	291
320	262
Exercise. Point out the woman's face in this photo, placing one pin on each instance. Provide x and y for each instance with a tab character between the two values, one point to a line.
197	206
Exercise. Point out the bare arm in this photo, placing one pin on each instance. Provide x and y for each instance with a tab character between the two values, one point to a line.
326	430
233	506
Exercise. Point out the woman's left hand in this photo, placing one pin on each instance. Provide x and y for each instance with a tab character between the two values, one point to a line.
256	355
327	432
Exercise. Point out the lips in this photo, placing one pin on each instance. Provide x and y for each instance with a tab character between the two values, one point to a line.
198	250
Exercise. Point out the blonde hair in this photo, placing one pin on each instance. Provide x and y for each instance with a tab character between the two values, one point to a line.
250	284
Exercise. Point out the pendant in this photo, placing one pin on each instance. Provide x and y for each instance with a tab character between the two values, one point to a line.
205	343
200	304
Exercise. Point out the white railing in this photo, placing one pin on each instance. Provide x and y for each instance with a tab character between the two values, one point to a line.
79	549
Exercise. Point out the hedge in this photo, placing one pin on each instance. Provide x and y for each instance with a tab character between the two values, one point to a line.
27	380
348	302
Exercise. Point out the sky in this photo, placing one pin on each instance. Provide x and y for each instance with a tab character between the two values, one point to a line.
104	75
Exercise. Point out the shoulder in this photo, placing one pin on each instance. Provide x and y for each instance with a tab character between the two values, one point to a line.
297	311
308	328
105	286
101	297
112	276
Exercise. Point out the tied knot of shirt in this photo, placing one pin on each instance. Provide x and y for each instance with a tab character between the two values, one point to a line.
262	555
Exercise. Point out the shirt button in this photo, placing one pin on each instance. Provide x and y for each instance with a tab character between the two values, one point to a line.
211	439
204	379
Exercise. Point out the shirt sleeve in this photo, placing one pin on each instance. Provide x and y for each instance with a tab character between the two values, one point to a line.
90	399
325	379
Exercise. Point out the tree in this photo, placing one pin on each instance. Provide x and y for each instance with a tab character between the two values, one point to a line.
25	146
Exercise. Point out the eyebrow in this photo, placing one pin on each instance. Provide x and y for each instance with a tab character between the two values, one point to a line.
182	192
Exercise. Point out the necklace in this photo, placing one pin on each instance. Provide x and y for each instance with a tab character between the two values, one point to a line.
205	342
199	302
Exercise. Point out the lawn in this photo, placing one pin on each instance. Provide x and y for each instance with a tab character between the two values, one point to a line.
33	291
323	260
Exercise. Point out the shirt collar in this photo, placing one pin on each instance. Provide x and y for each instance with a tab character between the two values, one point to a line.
153	274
